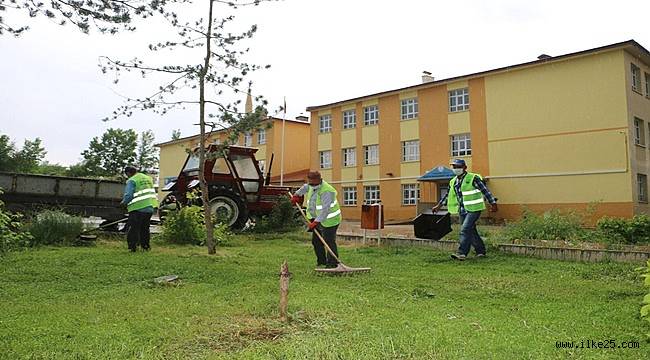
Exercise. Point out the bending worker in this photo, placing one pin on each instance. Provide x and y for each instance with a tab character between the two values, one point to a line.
465	198
324	215
141	200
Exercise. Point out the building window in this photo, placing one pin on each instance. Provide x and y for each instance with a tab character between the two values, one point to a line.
639	132
636	78
248	139
261	136
371	194
371	115
409	109
410	194
461	145
642	182
459	100
647	85
350	157
325	123
349	196
325	159
411	150
371	154
349	119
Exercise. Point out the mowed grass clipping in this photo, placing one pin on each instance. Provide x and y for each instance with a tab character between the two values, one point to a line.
101	303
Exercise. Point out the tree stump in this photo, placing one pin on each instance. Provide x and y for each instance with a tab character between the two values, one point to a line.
284	290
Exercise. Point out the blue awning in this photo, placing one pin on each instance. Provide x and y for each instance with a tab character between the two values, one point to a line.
437	173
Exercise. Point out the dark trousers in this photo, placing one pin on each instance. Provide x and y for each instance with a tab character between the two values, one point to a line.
469	235
138	233
322	256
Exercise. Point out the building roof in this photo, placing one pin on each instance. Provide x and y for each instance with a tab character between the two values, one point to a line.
437	173
631	46
186	138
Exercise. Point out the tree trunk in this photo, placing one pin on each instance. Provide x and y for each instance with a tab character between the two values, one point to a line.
205	195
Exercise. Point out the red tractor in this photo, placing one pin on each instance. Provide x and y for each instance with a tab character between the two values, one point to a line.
238	189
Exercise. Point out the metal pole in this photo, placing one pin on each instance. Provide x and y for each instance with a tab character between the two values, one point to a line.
282	149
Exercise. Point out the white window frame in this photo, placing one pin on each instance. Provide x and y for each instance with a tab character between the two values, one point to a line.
461	144
639	132
349	119
261	136
409	109
371	154
411	150
325	123
410	194
642	188
371	194
636	77
349	196
647	85
325	159
248	139
370	115
350	157
459	100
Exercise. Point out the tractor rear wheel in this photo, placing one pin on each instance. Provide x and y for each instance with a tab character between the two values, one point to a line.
228	207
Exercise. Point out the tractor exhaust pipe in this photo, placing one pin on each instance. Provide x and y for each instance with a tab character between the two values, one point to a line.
267	181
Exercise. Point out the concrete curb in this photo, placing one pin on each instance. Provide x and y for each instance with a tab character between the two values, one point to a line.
556	253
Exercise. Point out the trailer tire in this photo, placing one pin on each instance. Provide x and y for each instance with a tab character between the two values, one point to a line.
227	204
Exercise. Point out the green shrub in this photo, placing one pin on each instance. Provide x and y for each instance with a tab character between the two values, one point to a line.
628	231
552	225
184	226
282	218
54	227
11	235
187	226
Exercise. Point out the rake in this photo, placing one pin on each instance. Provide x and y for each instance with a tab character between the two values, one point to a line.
341	268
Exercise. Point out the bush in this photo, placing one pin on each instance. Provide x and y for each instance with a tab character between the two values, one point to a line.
184	226
187	226
645	307
628	231
11	235
552	225
282	218
54	227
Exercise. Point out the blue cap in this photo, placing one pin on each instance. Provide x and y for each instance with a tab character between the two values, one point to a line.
457	162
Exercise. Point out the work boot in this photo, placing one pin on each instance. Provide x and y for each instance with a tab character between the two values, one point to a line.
480	256
459	257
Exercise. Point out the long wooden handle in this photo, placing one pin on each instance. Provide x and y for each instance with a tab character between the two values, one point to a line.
316	231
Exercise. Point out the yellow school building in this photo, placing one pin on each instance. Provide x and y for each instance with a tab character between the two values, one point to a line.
268	141
563	132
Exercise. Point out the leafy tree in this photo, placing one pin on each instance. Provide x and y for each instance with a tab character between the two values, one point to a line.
147	156
108	155
106	16
219	75
7	153
30	156
47	168
26	160
176	134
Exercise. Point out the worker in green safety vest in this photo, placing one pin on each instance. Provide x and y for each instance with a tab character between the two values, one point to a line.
323	213
140	200
465	198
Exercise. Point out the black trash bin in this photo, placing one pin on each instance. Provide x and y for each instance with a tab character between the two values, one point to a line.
432	226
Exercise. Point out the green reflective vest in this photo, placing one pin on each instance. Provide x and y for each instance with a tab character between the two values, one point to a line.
333	213
144	194
472	197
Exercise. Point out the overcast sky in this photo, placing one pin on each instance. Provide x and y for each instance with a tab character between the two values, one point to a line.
321	51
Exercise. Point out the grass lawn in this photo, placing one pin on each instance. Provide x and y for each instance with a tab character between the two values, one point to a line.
100	303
